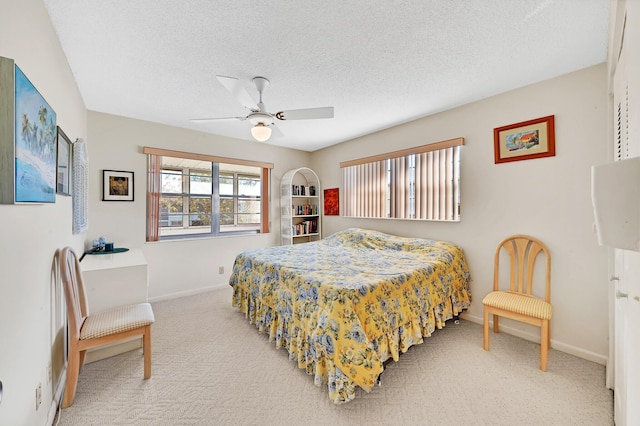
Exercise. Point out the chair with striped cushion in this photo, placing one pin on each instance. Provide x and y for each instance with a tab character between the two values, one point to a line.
518	302
89	331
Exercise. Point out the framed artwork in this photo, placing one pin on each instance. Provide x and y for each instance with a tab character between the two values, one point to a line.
525	140
117	185
63	165
35	144
331	202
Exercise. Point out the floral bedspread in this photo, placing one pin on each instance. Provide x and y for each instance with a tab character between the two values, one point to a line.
343	305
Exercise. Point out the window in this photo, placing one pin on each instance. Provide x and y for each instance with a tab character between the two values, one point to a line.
185	201
198	195
421	183
239	199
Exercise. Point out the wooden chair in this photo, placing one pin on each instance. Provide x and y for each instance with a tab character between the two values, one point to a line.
518	302
89	331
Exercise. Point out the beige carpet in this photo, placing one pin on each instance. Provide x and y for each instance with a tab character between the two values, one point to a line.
211	367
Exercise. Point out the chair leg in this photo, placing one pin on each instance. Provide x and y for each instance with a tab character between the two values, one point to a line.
496	324
146	344
485	332
544	345
73	370
81	361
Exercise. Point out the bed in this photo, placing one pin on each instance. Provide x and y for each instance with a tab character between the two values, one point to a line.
344	305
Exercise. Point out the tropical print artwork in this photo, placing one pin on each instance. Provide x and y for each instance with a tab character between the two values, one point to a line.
35	144
523	140
343	305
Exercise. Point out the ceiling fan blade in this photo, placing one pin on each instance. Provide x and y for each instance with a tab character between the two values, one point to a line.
203	120
235	87
276	132
305	114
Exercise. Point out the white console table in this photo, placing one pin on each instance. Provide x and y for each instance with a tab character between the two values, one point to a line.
112	280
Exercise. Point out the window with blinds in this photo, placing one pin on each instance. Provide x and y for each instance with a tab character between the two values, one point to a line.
421	183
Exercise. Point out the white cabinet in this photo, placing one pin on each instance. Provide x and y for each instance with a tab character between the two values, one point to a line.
300	206
626	263
112	280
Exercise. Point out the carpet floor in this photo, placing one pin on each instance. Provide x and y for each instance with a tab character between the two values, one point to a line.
211	367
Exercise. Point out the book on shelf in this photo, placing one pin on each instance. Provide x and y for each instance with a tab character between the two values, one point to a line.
304	210
306	227
303	190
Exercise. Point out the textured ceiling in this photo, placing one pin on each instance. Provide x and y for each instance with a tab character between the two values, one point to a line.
378	63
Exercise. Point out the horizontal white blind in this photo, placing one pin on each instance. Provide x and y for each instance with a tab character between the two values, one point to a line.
422	185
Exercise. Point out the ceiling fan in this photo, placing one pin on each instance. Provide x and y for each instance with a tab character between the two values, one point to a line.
262	120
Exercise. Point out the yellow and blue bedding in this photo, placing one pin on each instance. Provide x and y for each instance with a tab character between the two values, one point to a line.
343	305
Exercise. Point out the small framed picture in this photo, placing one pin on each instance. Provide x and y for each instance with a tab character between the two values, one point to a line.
525	140
117	185
63	166
331	202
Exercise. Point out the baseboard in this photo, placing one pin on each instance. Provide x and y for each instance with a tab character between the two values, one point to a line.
54	408
187	293
555	344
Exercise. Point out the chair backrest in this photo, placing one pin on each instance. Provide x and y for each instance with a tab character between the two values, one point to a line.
71	275
523	251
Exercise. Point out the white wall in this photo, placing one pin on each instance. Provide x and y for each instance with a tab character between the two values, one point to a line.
547	197
30	234
175	267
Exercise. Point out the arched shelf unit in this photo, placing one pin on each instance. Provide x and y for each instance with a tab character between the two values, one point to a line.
300	206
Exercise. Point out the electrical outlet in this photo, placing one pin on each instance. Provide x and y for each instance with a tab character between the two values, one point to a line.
220	269
38	396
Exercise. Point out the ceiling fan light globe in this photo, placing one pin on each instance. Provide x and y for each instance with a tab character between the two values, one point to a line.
260	132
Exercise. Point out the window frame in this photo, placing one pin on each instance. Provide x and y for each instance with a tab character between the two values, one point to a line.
186	194
237	198
154	193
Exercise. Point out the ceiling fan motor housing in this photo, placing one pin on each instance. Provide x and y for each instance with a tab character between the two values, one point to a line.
260	117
